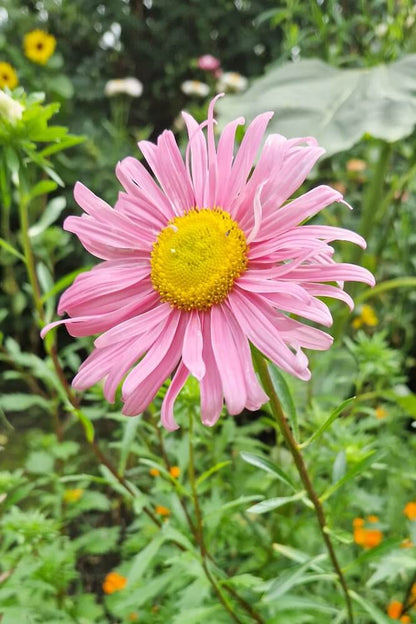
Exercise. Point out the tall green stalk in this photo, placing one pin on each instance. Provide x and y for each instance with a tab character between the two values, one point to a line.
294	449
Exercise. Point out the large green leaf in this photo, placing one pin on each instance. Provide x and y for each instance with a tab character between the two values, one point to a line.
337	106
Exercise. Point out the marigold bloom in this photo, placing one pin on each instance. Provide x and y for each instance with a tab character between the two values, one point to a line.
410	510
372	538
413	590
203	263
154	472
174	471
72	496
114	582
373	518
133	616
162	511
357	523
405	619
395	610
406	543
39	46
8	76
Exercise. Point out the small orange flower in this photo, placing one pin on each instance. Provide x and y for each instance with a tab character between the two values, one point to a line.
357	523
72	496
359	536
162	511
154	472
394	610
405	619
356	165
114	582
413	590
380	412
133	616
407	543
373	518
410	510
174	471
372	538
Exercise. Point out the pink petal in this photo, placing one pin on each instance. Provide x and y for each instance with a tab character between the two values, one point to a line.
210	385
225	153
176	385
198	149
192	346
228	362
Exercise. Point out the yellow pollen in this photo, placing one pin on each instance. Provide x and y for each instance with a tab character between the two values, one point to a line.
197	257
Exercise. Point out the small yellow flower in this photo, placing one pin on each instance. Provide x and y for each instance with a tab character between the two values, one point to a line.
174	471
72	496
410	510
8	76
39	46
407	543
133	616
154	472
162	511
372	518
367	317
380	412
114	582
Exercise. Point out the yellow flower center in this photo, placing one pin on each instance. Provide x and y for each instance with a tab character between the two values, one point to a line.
197	257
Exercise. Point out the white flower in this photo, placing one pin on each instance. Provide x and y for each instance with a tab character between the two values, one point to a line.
381	29
232	81
10	108
129	86
195	87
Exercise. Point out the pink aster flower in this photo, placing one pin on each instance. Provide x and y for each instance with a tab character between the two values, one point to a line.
200	260
207	62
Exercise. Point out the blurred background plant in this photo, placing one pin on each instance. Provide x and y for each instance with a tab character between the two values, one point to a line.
99	514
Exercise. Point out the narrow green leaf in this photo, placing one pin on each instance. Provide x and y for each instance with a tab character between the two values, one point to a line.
273	503
267	466
49	216
285	397
354	471
399	282
337	411
288	579
42	188
11	250
296	555
205	475
378	617
142	561
66	143
85	422
64	282
129	434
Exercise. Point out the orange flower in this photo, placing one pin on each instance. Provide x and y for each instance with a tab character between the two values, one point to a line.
407	543
413	590
394	610
359	536
133	616
410	510
162	511
154	472
114	582
174	471
72	496
373	518
405	619
372	538
357	523
356	165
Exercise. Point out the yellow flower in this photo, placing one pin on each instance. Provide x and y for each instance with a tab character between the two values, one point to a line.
410	510
372	518
39	46
114	582
154	472
133	616
162	511
407	543
72	496
367	316
8	76
174	471
380	412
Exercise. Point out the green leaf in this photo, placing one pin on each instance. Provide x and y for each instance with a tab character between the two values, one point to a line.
129	434
42	188
20	402
142	561
205	475
62	86
238	502
337	106
288	579
337	411
10	249
267	466
85	422
378	617
360	467
69	141
285	397
274	503
296	555
97	541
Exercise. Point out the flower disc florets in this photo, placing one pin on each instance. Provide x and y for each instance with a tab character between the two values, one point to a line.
196	259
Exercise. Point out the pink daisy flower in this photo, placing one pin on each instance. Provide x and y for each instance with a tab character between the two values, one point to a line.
201	260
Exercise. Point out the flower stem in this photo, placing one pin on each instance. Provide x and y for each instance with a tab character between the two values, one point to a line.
293	447
199	534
